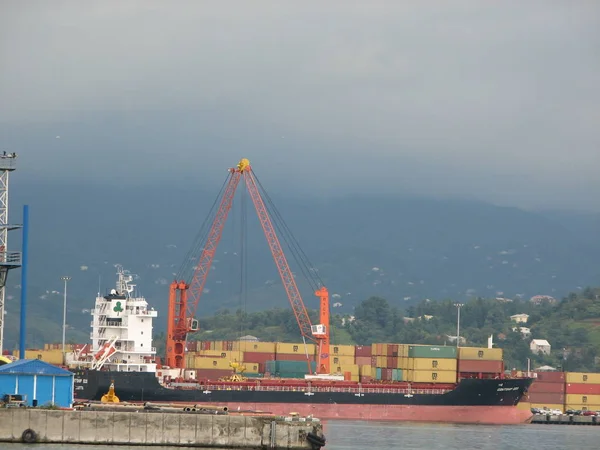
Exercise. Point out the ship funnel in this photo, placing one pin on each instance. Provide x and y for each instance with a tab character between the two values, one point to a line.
491	341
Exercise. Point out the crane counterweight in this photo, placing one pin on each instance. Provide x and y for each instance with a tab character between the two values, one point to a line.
184	298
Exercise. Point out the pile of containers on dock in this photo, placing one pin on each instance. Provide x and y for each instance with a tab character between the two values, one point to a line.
547	391
582	391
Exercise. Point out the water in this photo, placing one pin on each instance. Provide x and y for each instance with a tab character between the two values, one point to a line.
346	435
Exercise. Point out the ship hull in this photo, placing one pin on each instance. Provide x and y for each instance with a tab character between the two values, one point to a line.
472	401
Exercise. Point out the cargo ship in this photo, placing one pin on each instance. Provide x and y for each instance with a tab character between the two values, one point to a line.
121	355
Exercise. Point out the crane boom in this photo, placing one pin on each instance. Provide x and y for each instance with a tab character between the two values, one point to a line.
182	307
181	311
287	277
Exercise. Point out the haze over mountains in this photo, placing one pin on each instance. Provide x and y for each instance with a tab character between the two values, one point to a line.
402	248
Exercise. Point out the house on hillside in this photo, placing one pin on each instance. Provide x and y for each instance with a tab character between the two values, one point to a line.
520	318
539	299
538	346
525	332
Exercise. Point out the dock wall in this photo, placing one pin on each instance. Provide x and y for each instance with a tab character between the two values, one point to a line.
155	428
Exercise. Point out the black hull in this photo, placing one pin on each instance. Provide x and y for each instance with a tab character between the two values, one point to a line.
144	387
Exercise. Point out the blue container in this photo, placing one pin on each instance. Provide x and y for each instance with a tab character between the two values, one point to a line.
378	373
396	374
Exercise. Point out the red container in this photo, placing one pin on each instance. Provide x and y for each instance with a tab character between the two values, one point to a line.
192	346
386	374
258	357
392	350
366	379
374	361
549	399
551	377
479	366
212	374
362	350
583	389
362	360
547	388
392	362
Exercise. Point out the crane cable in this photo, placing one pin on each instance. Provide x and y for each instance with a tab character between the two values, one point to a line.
186	269
300	257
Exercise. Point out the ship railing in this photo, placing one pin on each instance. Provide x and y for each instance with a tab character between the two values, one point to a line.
351	390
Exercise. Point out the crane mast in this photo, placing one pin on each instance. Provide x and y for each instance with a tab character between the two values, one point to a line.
184	298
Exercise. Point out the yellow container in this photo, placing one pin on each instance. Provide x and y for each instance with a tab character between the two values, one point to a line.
429	376
585	378
190	361
578	399
381	361
582	407
342	360
230	356
255	347
251	367
365	371
294	349
211	363
431	364
482	353
342	350
558	406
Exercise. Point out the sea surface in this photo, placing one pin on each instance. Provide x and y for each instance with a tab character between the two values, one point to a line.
351	435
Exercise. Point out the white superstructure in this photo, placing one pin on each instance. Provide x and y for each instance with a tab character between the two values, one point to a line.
122	330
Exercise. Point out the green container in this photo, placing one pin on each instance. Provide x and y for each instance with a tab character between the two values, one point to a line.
253	375
280	367
431	351
378	373
396	374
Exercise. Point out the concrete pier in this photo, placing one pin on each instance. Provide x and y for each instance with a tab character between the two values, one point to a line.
158	428
566	420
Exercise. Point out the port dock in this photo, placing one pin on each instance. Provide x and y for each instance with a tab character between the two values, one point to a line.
111	426
565	419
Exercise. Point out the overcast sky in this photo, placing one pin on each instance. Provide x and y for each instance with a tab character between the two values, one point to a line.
492	100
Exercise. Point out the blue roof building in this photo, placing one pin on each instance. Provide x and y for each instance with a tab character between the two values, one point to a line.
40	382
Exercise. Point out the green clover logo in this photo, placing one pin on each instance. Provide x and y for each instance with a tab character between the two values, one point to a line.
118	308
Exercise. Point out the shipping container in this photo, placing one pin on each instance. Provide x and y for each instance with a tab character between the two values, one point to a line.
232	356
481	366
362	360
558	406
431	351
480	353
546	387
430	364
342	350
341	360
211	363
257	347
581	407
365	370
392	350
258	357
582	388
351	369
583	378
287	367
381	361
363	351
541	397
550	377
290	357
212	374
430	376
378	373
283	348
251	367
365	379
396	374
582	399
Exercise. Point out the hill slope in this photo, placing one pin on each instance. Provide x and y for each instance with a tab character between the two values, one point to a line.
402	249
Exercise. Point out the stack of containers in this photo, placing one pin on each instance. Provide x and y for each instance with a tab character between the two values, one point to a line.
51	356
582	391
289	368
480	362
430	364
547	391
257	353
386	361
362	358
343	361
294	352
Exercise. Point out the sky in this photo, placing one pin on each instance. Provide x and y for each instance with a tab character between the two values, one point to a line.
496	101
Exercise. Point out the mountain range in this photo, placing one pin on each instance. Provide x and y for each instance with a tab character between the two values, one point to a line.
401	248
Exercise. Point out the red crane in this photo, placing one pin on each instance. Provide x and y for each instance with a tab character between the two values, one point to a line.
184	297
